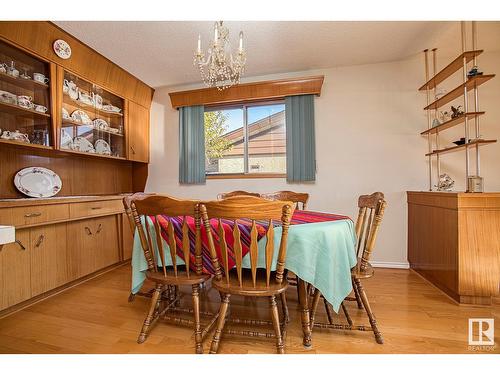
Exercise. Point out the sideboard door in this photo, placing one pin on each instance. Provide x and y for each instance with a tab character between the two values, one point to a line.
15	270
138	132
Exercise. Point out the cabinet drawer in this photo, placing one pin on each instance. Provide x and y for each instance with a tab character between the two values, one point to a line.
31	215
97	208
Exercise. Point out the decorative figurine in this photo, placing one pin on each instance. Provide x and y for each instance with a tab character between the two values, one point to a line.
445	183
474	72
456	112
444	116
435	122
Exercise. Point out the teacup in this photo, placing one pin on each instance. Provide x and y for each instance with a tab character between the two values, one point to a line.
16	135
39	77
25	101
39	108
3	68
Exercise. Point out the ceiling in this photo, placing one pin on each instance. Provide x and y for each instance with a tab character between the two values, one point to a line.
161	53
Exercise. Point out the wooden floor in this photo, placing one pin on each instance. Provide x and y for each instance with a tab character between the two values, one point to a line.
95	317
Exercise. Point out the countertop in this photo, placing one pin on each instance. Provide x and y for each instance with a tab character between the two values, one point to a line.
20	202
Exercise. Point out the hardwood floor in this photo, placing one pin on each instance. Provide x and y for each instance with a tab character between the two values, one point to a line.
95	317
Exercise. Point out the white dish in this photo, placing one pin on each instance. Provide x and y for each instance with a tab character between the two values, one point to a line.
111	108
100	124
83	145
66	140
37	182
65	114
102	147
81	116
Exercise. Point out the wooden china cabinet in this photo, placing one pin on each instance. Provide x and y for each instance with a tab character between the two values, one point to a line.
90	125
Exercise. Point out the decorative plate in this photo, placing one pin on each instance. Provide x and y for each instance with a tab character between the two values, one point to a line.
111	108
100	124
37	182
65	114
81	116
66	140
102	147
83	145
62	49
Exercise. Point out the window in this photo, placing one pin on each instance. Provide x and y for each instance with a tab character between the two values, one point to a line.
245	139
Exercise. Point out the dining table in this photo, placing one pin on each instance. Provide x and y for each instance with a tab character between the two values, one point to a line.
320	252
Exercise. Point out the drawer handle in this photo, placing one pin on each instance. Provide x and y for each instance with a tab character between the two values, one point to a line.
20	244
89	232
133	149
99	228
96	208
33	214
40	240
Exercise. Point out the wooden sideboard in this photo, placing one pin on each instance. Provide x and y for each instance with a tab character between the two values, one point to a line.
454	242
60	242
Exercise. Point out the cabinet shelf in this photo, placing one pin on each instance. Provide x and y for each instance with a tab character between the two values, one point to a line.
451	68
92	154
455	93
451	123
479	142
20	111
24	83
90	108
68	124
24	144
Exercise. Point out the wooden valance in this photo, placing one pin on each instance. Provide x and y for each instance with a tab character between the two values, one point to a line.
255	91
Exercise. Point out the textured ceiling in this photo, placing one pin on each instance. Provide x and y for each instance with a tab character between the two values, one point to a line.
161	53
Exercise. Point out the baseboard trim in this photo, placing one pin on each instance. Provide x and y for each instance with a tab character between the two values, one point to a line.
403	265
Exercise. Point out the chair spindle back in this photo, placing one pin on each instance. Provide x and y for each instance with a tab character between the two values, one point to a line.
236	193
248	209
300	199
371	211
172	213
127	201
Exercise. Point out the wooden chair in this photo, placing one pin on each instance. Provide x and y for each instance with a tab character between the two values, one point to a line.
236	193
166	208
371	211
300	199
254	282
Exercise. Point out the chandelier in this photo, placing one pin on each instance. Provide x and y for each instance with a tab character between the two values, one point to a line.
220	68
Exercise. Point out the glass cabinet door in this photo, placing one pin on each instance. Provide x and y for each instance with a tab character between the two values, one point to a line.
24	98
92	119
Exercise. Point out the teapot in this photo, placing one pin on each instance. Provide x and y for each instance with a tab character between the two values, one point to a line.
97	99
85	98
16	136
70	88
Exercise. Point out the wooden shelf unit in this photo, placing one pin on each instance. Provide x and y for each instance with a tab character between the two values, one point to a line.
451	123
479	142
69	123
470	84
464	62
24	144
450	69
25	83
90	108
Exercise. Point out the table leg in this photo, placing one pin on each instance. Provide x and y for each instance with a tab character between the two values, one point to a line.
304	305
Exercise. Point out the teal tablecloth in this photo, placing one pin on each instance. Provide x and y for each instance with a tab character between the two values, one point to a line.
319	253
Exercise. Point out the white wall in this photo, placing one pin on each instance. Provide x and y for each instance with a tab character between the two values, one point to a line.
368	121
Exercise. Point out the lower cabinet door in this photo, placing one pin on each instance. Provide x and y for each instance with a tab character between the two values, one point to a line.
81	247
127	238
15	270
107	249
49	258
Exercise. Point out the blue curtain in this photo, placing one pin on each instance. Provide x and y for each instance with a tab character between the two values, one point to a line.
300	143
191	145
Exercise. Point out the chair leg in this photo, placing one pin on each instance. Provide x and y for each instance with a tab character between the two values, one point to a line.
297	287
150	317
328	309
284	307
197	325
356	294
346	313
276	323
314	306
220	323
371	317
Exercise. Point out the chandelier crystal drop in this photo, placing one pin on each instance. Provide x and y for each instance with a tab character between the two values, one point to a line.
220	68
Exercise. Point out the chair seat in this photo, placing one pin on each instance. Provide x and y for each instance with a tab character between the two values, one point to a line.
247	288
366	273
182	277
